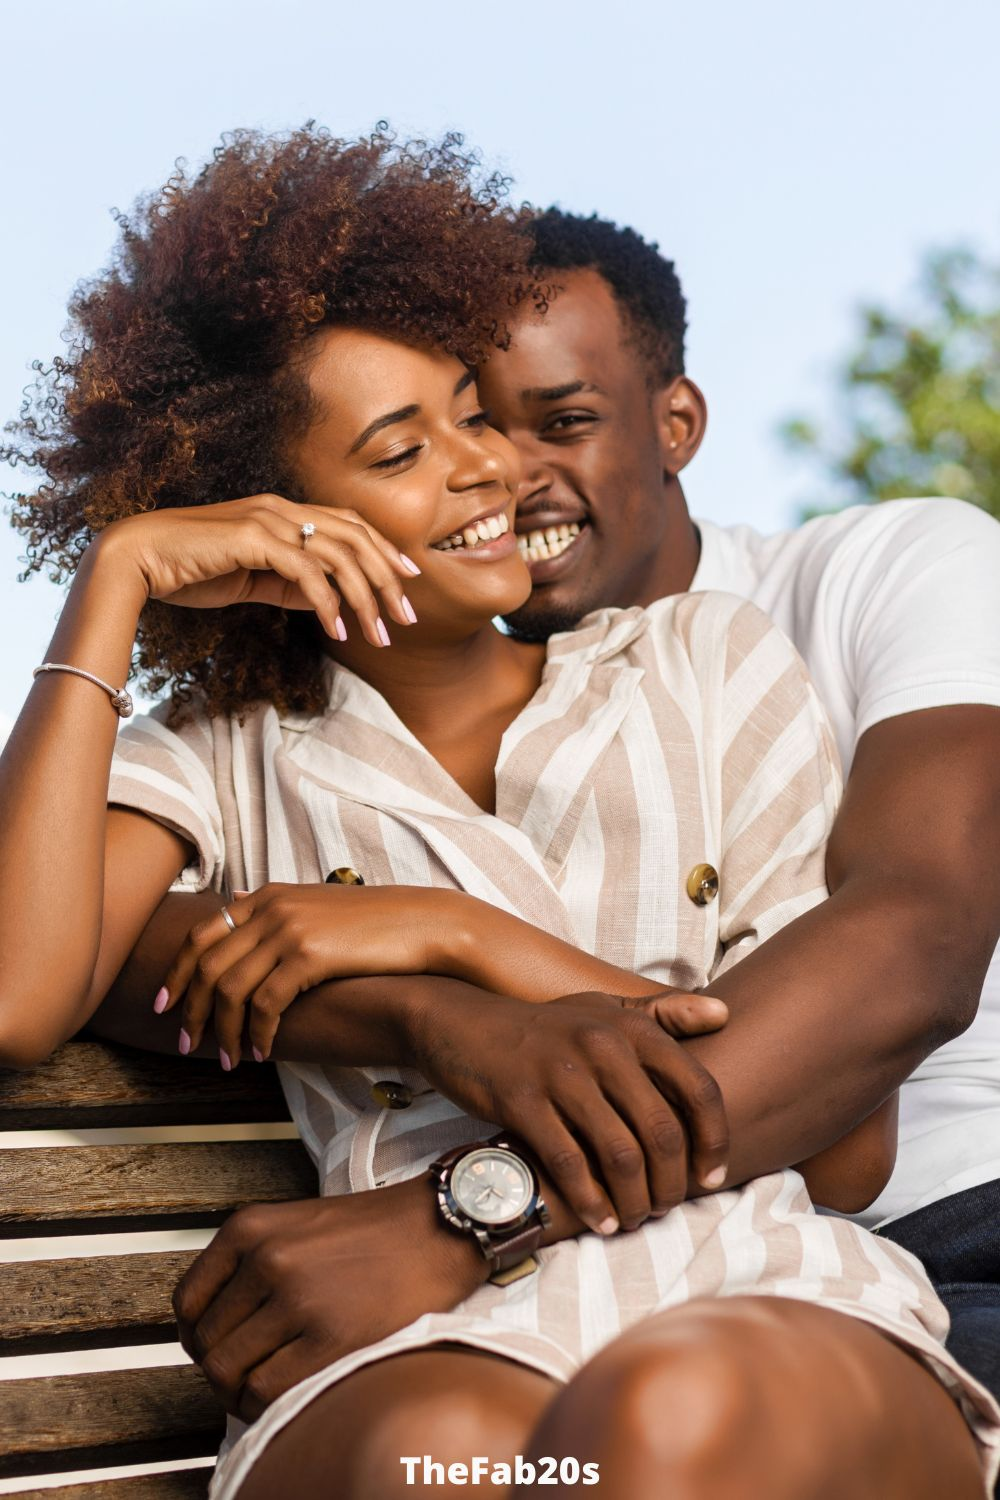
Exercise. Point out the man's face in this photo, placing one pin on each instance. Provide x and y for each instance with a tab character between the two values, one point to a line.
594	512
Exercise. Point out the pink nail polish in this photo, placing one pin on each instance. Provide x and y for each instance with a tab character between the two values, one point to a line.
161	1002
409	563
408	610
608	1226
381	632
226	1061
183	1043
340	628
258	1055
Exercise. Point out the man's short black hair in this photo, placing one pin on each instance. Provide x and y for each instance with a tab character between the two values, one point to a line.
645	284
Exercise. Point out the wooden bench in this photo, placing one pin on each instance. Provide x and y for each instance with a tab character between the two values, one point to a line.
52	1424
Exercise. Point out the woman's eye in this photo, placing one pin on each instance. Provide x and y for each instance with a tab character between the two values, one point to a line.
394	461
478	419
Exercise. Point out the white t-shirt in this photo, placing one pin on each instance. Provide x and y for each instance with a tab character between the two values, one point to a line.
895	607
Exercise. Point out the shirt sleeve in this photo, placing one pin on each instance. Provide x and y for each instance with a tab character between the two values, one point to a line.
925	611
168	775
779	784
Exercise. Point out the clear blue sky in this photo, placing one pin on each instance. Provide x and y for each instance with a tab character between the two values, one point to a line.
794	160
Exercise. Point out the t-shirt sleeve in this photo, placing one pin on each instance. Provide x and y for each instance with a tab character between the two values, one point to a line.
927	631
779	786
167	774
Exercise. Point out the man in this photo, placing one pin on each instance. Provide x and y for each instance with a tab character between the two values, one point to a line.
896	611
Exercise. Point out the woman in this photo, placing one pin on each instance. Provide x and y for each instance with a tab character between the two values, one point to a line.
300	324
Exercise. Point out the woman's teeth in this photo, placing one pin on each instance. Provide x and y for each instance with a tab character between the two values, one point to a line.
474	536
539	545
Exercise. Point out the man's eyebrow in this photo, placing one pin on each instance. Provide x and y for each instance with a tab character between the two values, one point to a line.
560	392
387	421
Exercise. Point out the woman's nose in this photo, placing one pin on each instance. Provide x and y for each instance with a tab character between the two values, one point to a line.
478	461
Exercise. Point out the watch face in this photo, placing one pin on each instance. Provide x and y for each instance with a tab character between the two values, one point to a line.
492	1186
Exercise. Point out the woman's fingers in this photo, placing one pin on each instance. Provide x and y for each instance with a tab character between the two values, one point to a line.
211	949
272	996
231	999
690	1087
566	1162
359	559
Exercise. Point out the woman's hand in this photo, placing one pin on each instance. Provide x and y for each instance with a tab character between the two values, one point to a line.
288	939
251	551
616	1110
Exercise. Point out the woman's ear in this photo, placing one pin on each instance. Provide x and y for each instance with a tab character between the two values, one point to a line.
681	416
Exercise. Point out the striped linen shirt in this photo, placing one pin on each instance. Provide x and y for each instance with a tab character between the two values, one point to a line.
658	740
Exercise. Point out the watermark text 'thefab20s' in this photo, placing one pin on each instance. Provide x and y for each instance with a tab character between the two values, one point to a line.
481	1470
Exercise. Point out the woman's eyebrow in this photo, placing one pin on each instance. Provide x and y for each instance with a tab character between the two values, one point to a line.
387	421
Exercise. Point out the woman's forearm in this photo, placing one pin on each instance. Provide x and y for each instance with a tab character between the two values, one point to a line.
501	953
53	810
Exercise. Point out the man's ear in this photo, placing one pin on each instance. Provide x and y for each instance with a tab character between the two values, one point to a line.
681	417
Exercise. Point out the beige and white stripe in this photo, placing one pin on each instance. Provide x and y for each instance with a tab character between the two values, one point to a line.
658	740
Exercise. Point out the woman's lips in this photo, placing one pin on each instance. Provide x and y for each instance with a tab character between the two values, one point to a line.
491	551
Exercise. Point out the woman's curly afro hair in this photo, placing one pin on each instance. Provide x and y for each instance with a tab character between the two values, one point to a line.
178	386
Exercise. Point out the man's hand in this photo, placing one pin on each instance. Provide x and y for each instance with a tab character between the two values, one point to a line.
285	1289
597	1086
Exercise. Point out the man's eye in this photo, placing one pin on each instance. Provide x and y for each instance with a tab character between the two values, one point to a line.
396	459
565	421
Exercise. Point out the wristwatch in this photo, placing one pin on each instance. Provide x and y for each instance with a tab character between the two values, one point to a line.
490	1190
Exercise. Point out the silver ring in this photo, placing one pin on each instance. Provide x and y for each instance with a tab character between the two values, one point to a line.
228	919
306	530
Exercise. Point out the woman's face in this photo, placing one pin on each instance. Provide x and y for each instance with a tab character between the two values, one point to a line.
400	437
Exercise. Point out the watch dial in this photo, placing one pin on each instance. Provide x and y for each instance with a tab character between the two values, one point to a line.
492	1186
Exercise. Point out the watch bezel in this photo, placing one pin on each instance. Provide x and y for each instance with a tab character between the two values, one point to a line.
460	1218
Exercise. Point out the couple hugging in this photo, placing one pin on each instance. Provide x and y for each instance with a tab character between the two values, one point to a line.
578	1055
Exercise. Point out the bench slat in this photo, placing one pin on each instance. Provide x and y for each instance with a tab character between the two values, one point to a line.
183	1484
107	1417
89	1084
111	1299
77	1184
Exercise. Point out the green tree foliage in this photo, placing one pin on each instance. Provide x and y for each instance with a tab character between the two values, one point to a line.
920	397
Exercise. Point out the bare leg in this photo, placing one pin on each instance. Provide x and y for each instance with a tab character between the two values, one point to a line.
450	1403
739	1398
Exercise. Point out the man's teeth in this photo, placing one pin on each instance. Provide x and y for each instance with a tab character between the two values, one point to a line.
472	536
539	545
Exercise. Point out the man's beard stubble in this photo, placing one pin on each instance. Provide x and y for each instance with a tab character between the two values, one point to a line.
536	624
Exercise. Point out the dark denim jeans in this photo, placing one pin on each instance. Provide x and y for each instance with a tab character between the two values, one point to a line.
958	1240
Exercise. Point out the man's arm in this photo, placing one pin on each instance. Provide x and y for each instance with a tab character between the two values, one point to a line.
831	1015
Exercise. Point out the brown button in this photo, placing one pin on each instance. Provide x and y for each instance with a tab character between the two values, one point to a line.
703	884
344	876
391	1095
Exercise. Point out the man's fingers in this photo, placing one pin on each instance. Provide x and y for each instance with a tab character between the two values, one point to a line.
293	1362
565	1161
618	1154
203	1280
662	1137
230	1360
681	1014
697	1097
